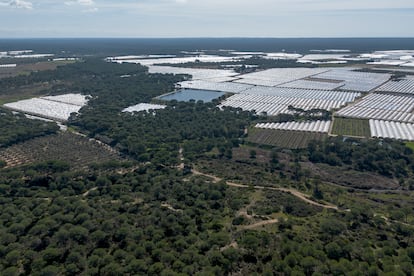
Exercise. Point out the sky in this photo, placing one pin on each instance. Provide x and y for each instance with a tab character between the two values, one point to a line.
206	18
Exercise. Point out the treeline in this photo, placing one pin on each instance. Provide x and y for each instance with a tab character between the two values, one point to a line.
249	65
16	128
71	72
387	157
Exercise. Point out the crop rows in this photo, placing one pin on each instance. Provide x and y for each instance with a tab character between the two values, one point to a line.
78	151
396	130
312	126
351	127
382	107
284	138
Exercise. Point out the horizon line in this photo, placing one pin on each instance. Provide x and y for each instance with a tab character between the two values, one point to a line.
218	37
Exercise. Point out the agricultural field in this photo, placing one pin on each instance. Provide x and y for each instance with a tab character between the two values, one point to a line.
351	127
79	152
24	92
284	138
24	69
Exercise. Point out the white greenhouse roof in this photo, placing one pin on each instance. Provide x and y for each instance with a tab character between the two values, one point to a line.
143	107
310	126
56	108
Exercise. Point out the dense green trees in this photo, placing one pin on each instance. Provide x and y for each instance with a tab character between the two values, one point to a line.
17	128
159	222
387	157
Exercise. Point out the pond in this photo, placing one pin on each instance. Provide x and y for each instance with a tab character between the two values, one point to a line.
185	95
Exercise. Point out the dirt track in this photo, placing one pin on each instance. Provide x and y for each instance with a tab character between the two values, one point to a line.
293	192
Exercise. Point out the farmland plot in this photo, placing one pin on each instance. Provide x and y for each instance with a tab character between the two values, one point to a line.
78	151
284	138
351	127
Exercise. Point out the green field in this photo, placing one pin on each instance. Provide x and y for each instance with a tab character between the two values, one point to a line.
284	138
351	127
410	145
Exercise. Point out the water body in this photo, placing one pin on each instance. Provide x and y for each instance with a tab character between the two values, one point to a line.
185	95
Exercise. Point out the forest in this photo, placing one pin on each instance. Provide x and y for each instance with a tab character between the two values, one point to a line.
194	197
17	128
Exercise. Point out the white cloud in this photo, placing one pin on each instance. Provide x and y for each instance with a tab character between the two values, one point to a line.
20	4
80	2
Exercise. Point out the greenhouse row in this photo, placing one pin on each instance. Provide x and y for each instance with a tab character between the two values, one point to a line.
277	76
143	107
71	98
304	94
229	87
405	86
382	107
45	108
275	105
310	84
395	130
354	80
311	126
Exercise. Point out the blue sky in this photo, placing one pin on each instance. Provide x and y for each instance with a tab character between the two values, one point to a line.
206	18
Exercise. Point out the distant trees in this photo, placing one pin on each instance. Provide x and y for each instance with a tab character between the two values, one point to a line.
387	157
